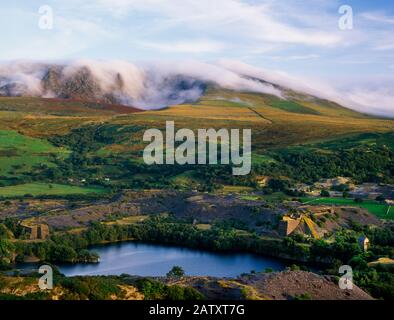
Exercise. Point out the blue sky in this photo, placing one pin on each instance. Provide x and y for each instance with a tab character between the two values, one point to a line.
298	37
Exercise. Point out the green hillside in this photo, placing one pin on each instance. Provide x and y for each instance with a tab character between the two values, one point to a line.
41	189
302	138
19	154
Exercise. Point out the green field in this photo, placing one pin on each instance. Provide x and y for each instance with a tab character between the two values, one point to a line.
262	159
376	208
20	153
291	106
40	189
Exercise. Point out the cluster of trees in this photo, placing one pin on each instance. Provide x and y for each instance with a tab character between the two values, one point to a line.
91	288
103	288
88	138
364	164
379	280
106	288
72	248
54	249
155	290
6	253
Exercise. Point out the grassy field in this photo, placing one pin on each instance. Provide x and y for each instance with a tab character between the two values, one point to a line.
251	198
60	107
38	189
376	208
19	153
235	189
261	159
204	226
128	220
291	106
275	197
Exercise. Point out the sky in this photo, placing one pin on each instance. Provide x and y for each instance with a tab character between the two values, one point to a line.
299	38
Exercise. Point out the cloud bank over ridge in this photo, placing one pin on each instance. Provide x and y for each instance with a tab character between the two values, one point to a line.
153	85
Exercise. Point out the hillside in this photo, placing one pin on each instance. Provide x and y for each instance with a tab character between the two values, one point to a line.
288	285
274	122
302	126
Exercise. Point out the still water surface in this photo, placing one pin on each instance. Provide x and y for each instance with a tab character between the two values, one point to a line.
156	260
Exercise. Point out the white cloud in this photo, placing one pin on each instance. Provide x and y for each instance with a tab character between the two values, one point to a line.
69	35
295	57
233	17
251	30
379	17
150	85
384	46
196	46
378	101
372	95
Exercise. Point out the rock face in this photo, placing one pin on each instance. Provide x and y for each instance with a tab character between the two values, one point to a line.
14	89
286	285
51	82
111	87
80	85
290	285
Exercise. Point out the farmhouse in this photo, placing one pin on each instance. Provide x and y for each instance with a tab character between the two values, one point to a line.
363	242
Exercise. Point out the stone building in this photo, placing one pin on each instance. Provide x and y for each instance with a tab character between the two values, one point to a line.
363	242
37	231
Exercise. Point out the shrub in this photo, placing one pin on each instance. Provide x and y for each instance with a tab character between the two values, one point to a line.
176	272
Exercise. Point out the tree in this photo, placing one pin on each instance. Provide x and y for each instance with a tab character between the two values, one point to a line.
176	272
6	251
4	232
325	194
63	253
278	185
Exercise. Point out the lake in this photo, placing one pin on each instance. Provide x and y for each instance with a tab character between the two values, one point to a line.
143	259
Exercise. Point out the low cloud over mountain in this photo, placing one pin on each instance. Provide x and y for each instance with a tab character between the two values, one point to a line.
148	86
159	84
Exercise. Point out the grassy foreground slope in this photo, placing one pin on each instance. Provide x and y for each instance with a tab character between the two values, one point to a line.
19	153
43	189
380	210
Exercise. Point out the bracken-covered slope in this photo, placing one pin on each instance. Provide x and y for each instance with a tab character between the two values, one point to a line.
274	122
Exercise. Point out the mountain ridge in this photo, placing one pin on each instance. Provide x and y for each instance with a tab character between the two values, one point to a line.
143	89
